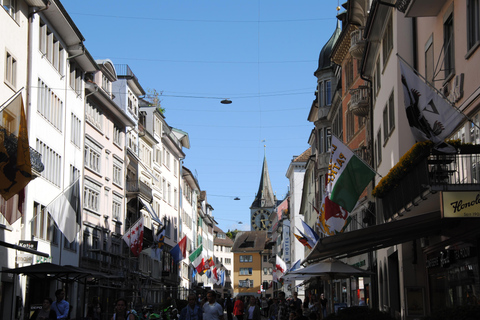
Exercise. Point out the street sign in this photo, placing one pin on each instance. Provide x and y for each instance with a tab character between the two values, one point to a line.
259	291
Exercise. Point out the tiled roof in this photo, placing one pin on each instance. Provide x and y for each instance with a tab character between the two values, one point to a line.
250	241
304	156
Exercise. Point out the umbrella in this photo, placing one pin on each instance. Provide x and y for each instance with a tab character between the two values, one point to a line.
51	270
330	268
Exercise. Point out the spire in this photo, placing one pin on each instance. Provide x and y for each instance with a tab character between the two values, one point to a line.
265	197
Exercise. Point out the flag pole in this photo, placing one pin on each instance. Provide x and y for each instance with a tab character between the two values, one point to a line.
369	166
437	91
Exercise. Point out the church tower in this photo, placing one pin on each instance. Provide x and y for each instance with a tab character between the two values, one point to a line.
264	203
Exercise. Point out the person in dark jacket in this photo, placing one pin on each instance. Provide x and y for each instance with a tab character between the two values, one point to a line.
46	313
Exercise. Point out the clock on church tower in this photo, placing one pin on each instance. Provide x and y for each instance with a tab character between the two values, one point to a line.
260	219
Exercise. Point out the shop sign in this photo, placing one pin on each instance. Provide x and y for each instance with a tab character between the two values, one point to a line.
28	244
24	258
445	258
461	204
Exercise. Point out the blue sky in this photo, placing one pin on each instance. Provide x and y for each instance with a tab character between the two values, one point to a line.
260	54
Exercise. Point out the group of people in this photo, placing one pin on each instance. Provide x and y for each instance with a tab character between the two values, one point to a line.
52	310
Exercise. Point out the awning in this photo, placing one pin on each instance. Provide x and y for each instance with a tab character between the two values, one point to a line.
381	236
51	270
151	211
20	248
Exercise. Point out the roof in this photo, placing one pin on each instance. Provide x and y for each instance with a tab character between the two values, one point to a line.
324	60
250	241
304	156
265	197
227	242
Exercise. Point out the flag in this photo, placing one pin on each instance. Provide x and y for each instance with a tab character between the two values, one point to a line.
208	273
197	258
303	240
348	176
332	218
15	163
429	115
280	266
134	237
295	266
222	278
158	243
65	210
179	252
215	275
312	236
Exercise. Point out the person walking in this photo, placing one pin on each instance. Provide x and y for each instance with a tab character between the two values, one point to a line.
253	310
238	308
60	306
283	312
212	310
121	311
229	308
192	311
297	302
46	312
323	303
273	309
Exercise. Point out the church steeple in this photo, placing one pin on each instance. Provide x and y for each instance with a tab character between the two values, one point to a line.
265	197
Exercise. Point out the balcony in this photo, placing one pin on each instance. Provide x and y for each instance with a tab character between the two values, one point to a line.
357	44
436	172
135	187
359	102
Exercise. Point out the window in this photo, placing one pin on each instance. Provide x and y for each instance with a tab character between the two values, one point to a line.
167	159
10	70
11	7
388	118
337	124
377	83
448	45
91	195
51	161
132	103
175	167
93	115
246	271
379	147
325	93
228	261
473	23
348	73
158	155
157	129
43	225
169	193
429	60
245	283
265	271
146	154
49	105
71	246
265	258
350	125
175	198
246	258
387	41
105	84
76	133
93	154
117	206
76	76
117	171
117	136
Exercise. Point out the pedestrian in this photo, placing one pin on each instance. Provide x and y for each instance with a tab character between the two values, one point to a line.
297	302
46	312
192	311
264	302
60	306
121	310
323	302
238	308
229	308
273	309
283	312
212	310
313	305
253	310
94	311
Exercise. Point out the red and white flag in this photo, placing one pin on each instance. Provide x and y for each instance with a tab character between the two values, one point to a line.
134	237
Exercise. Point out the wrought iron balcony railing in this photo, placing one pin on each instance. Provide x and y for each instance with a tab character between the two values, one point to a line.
136	187
437	172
